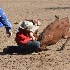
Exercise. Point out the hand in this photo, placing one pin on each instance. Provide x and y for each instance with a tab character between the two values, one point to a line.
33	38
9	33
36	22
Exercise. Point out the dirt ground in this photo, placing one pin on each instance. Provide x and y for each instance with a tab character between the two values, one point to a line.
45	11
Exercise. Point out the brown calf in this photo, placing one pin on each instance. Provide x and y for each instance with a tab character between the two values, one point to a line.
53	32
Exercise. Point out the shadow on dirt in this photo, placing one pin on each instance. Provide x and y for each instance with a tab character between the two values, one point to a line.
57	8
16	50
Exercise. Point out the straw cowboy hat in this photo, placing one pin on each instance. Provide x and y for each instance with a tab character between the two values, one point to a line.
26	25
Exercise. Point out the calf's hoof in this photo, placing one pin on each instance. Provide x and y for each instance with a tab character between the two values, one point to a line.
41	49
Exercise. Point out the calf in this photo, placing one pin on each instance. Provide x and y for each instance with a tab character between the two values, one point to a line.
53	32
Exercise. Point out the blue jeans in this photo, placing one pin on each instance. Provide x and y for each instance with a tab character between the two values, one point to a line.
30	46
33	44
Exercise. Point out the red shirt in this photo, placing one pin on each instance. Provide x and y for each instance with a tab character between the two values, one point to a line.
22	37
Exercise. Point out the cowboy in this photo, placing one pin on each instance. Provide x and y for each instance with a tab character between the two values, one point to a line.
5	22
24	35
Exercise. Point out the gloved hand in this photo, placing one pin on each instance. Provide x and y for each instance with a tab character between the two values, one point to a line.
9	33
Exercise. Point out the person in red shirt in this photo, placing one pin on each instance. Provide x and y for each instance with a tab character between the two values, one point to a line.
24	35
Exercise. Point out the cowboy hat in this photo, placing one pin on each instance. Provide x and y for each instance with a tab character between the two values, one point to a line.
26	25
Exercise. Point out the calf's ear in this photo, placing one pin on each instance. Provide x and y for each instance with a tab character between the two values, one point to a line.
56	17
